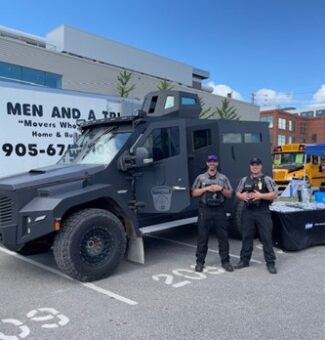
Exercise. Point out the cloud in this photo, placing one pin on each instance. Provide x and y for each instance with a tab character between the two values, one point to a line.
271	98
319	96
223	90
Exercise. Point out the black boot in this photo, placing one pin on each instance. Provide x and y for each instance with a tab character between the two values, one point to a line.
241	264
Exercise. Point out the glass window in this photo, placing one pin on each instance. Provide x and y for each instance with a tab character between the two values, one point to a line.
290	139
254	137
97	146
170	102
320	113
231	138
53	80
290	125
314	138
282	123
281	139
153	104
307	114
201	138
163	143
33	76
188	101
268	119
9	72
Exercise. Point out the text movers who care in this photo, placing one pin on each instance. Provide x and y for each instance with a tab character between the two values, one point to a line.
37	124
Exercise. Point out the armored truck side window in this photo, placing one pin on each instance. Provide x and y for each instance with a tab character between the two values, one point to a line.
252	137
163	143
231	138
170	102
201	138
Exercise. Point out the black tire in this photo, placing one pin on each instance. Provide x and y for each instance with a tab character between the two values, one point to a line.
39	246
236	224
90	244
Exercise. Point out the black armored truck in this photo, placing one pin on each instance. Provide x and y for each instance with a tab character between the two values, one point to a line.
121	179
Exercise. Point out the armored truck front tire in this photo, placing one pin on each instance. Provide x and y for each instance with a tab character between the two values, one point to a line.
90	244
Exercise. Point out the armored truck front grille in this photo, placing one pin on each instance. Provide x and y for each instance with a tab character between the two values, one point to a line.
5	209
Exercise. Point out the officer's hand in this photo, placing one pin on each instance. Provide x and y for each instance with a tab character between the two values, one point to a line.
256	195
216	187
245	196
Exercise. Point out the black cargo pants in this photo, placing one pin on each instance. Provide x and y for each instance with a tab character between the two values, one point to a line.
212	218
260	218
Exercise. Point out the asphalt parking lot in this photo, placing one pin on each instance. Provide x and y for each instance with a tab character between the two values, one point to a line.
165	298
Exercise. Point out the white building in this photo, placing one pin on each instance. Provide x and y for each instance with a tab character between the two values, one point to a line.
70	59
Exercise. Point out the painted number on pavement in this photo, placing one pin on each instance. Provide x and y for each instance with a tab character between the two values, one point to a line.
189	274
45	317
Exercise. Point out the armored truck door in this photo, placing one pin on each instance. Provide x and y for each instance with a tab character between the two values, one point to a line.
163	186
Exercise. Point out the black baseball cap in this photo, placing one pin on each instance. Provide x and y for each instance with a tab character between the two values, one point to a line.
255	160
212	158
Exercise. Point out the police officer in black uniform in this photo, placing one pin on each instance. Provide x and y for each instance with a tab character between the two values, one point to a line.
212	187
257	191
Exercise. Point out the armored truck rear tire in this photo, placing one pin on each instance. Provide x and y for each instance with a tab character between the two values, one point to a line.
90	244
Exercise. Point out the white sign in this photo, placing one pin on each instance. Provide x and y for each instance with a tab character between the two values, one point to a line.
37	125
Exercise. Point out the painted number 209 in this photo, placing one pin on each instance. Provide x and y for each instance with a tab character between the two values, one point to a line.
189	274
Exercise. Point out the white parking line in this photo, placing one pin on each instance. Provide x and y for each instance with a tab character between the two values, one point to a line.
194	246
57	272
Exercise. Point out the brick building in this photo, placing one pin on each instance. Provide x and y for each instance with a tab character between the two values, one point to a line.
287	128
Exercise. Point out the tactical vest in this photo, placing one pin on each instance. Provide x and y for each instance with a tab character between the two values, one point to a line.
213	199
256	184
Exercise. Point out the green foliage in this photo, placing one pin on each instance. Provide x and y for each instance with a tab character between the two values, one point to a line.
226	111
165	85
123	87
206	112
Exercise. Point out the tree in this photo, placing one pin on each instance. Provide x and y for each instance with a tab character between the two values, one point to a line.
226	111
206	112
165	85
123	87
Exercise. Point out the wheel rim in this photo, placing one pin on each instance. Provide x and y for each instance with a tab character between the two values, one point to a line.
96	246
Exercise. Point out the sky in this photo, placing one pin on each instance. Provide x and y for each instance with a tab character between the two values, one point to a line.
270	52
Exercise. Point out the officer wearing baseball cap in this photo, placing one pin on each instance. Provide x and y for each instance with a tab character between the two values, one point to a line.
257	191
213	188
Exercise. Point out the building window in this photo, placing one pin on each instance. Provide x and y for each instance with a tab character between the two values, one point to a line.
26	75
268	119
281	139
201	138
290	125
314	138
320	113
281	123
290	139
307	114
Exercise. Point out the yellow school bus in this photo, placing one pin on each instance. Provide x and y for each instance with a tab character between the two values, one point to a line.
289	163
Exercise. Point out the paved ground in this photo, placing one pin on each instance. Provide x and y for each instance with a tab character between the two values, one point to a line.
166	299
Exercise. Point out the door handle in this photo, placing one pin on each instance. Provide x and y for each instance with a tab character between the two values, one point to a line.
178	188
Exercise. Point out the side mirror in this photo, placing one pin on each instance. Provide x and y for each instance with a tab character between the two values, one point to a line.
142	158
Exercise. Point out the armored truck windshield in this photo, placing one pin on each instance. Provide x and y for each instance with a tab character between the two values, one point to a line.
96	146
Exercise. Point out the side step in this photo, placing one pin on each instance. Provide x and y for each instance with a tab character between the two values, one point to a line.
136	248
167	225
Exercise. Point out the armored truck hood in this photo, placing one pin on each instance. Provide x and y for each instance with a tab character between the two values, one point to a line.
45	176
